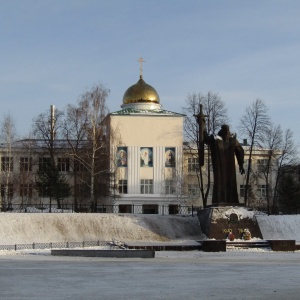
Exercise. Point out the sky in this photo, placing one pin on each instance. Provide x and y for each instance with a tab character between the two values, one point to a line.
53	51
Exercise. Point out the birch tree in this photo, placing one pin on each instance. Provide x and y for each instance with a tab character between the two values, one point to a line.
253	125
288	157
92	106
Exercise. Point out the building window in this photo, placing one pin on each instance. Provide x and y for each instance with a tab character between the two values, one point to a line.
262	191
44	162
25	164
193	190
146	186
7	191
125	208
173	209
79	166
246	164
7	163
150	209
169	187
26	190
193	165
242	190
63	164
122	186
262	165
82	190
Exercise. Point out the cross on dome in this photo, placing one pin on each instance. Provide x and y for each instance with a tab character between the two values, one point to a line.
140	60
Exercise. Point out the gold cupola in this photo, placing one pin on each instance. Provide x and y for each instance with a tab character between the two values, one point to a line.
141	96
141	92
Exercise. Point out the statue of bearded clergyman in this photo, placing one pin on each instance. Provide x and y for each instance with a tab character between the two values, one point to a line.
224	148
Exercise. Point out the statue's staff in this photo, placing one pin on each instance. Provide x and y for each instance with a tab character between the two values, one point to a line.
201	122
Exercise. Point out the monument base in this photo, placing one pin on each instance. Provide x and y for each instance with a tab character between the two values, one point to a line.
218	221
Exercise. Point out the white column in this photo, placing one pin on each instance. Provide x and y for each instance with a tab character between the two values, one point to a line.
159	165
133	170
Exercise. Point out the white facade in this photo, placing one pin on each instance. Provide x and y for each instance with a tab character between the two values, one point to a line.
150	140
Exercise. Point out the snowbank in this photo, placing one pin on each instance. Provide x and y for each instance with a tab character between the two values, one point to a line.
280	227
61	227
225	212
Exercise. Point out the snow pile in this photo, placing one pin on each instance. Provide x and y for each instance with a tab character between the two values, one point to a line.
241	212
71	227
280	227
62	227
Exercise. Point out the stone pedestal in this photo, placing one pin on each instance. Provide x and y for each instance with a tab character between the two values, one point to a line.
217	222
283	245
214	246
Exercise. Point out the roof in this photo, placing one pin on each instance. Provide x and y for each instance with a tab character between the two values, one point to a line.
146	112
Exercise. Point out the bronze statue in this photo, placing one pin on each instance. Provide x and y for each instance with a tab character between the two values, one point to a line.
224	148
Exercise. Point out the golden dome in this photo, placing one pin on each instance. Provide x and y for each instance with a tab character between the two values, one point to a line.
141	92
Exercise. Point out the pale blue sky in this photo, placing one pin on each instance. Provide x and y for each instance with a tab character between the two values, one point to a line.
54	50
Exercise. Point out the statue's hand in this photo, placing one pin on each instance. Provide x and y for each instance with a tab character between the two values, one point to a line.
242	170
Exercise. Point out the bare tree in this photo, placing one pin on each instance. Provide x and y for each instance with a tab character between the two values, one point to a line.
75	133
8	137
272	144
216	115
93	111
288	156
253	124
47	129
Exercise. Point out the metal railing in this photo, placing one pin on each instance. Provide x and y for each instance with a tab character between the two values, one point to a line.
54	245
111	209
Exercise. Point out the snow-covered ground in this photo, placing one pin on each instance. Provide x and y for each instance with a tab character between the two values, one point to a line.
235	274
71	227
61	227
280	227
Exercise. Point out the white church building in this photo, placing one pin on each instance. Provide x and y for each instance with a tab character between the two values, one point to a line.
147	150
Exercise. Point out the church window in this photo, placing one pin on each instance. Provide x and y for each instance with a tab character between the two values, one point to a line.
122	186
169	187
193	190
7	163
25	164
150	209
125	208
173	209
146	186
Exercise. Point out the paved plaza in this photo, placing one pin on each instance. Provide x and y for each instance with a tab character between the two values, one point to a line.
170	275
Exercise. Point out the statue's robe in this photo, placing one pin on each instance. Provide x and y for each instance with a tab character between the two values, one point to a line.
223	155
